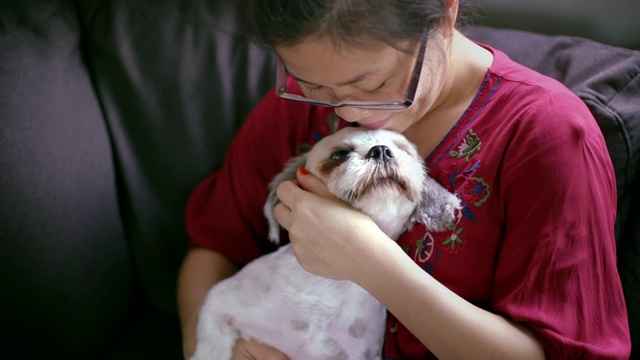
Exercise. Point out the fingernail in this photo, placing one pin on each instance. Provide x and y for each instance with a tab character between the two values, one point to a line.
303	171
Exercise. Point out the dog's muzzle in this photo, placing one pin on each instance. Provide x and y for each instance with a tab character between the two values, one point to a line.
382	172
380	153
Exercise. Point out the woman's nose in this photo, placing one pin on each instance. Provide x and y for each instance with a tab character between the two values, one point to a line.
352	114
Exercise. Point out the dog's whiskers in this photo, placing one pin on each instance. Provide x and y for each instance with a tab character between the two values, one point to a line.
382	176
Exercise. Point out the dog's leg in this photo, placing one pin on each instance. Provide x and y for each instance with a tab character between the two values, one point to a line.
438	207
216	334
288	174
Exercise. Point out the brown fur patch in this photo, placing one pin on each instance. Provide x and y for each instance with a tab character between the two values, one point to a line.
327	166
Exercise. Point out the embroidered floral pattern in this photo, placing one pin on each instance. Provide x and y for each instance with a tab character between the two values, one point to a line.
481	188
421	245
473	192
470	145
332	121
454	242
303	148
425	247
332	125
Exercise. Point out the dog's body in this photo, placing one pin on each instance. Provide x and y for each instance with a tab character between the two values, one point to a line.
275	301
278	303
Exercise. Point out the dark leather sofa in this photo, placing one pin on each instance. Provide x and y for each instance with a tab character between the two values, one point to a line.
112	111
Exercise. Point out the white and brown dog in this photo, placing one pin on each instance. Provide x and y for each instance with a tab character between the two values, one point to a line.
274	301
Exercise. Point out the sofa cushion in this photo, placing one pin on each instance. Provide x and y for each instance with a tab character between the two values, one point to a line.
175	81
149	334
65	271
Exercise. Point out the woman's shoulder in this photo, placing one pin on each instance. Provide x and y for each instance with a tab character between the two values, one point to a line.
520	84
517	94
520	109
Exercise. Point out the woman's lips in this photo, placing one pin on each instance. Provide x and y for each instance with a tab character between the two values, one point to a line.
377	124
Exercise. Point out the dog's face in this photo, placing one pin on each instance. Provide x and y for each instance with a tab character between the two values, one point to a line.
378	172
355	163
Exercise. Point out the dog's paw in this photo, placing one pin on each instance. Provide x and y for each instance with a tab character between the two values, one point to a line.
214	348
448	212
438	208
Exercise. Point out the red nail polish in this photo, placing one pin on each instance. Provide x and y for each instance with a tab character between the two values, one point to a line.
303	171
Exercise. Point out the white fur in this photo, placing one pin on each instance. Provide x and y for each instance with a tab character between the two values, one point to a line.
275	301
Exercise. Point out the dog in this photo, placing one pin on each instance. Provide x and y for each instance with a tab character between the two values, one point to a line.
307	317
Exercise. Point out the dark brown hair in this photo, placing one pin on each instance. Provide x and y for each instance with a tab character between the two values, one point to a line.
277	23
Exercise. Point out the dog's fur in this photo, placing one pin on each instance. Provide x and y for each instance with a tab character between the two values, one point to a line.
275	301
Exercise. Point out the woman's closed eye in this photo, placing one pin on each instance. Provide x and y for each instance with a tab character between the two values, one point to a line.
310	87
313	89
377	90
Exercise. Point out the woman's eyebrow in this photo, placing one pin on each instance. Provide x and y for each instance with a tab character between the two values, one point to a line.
358	78
364	75
299	80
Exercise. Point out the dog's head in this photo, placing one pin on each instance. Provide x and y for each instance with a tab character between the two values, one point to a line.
356	164
378	172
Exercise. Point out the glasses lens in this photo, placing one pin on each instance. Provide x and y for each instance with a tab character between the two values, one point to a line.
401	88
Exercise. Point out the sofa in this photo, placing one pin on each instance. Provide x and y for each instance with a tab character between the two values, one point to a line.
111	111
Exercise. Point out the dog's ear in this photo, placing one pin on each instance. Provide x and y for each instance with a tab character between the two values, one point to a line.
437	209
289	173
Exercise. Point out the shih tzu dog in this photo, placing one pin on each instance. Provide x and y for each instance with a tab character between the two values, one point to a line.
274	301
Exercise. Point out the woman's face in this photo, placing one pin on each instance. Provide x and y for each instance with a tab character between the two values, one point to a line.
375	73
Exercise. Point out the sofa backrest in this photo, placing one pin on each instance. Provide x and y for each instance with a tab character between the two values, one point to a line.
175	80
65	274
111	111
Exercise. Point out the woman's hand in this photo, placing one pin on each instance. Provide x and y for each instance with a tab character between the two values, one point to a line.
253	350
329	237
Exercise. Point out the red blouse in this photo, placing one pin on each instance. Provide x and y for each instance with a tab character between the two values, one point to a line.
534	241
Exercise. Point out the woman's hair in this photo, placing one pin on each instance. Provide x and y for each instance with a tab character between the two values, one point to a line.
282	23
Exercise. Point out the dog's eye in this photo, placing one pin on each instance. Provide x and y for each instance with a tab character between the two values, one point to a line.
341	155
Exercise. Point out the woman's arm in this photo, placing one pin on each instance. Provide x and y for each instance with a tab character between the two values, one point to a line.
447	324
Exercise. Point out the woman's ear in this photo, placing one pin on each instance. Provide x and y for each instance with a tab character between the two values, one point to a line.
288	174
452	6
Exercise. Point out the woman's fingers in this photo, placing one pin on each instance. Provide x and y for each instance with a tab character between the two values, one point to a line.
312	183
282	211
253	350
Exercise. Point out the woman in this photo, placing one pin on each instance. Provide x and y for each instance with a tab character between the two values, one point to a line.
527	271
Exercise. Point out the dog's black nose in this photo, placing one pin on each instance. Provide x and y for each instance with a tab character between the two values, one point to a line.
380	153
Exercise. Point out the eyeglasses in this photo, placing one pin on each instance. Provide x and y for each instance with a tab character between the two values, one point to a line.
281	88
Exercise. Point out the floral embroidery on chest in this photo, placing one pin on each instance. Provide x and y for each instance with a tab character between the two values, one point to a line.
330	126
459	176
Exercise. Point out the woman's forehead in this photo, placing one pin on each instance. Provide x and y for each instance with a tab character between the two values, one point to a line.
319	61
342	47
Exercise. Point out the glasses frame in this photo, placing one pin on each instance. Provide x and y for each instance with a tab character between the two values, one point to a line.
281	87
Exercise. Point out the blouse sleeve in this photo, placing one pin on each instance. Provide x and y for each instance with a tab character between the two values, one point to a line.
225	211
556	271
